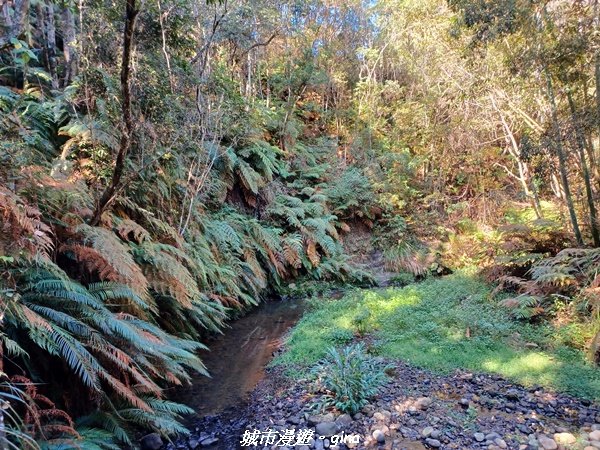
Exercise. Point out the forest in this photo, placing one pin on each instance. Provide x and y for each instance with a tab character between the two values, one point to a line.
166	166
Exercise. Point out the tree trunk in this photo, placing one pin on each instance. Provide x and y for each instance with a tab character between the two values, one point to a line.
580	137
15	24
109	193
524	177
562	160
51	43
70	48
597	73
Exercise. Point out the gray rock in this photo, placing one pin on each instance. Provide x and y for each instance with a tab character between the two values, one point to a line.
492	436
209	441
433	443
426	432
500	443
546	443
435	434
326	429
344	420
479	437
379	436
513	394
193	444
314	420
151	441
423	403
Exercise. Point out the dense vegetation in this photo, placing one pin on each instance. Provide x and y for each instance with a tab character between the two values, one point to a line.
165	165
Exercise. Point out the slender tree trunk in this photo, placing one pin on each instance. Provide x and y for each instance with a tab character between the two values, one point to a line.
51	42
524	177
597	76
70	47
108	195
586	174
562	160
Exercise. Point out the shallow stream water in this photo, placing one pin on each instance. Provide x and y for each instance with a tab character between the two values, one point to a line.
236	360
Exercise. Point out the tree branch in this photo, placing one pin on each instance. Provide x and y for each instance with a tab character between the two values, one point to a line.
131	13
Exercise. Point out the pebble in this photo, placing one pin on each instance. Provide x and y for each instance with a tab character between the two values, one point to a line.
151	441
547	443
435	410
565	438
423	403
379	436
209	441
433	443
326	429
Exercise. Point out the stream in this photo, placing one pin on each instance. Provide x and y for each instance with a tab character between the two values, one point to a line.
236	362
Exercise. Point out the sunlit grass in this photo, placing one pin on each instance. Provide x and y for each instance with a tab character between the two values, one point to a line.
443	324
526	214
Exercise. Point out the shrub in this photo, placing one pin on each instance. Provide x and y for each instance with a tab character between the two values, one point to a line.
348	377
402	279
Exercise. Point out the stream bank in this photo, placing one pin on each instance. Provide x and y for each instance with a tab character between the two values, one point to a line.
416	409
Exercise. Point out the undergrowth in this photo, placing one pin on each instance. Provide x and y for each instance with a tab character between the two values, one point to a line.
445	324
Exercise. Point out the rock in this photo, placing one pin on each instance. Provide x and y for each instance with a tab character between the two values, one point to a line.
479	437
193	444
343	420
209	441
423	403
427	432
294	420
151	441
512	394
500	443
314	420
379	436
547	443
491	436
464	402
433	443
589	447
326	429
565	438
381	417
594	435
435	434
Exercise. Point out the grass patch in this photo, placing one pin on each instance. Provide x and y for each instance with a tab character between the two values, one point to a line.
443	324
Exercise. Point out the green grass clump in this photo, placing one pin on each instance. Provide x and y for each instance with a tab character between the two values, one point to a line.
348	377
444	324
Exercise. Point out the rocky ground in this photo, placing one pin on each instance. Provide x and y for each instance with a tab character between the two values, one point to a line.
415	410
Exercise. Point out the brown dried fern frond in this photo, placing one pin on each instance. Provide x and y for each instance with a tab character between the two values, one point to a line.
22	227
101	252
